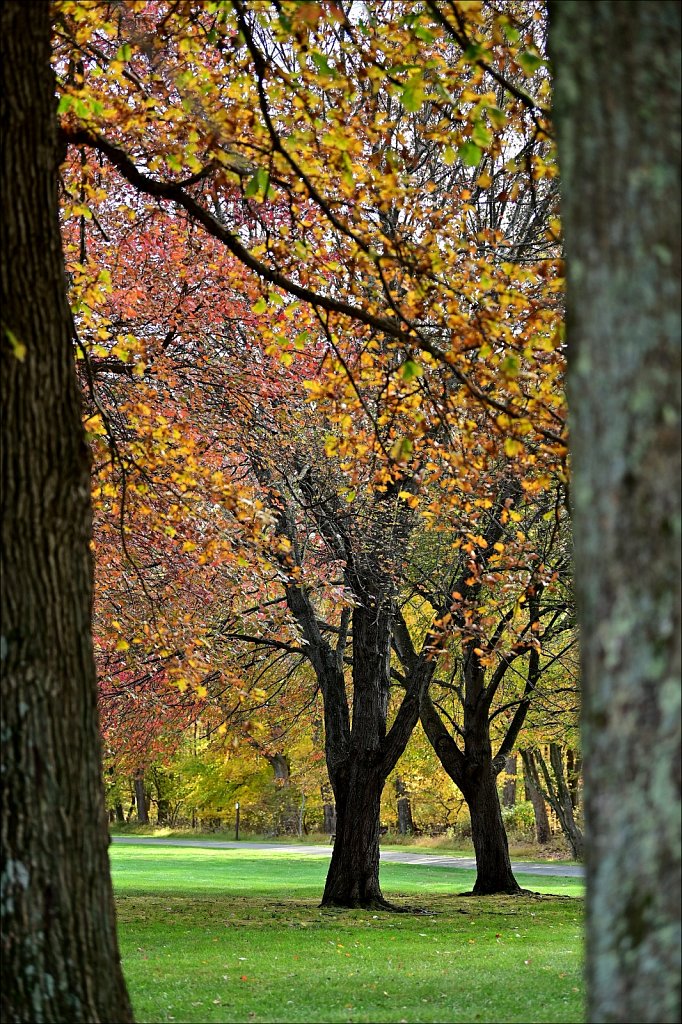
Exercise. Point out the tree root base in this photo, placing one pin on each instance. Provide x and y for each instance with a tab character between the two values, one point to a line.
373	903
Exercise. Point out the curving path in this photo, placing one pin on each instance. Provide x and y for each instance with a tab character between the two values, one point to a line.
394	856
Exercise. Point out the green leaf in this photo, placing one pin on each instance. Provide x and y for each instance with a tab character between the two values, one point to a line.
510	366
65	104
481	135
530	62
513	35
474	51
258	184
409	370
497	116
402	449
347	172
322	64
470	154
424	34
124	52
412	95
260	306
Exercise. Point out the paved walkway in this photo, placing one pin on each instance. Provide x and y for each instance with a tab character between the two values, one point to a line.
393	856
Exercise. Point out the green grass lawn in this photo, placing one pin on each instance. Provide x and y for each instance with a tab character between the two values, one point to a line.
223	935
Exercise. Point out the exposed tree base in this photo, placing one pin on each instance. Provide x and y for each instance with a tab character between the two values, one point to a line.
510	889
518	891
372	903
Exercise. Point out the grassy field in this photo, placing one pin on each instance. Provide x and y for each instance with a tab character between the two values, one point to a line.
223	935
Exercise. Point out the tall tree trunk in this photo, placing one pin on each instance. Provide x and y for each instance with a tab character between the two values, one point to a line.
563	803
509	784
574	767
60	957
404	808
353	876
141	799
543	832
493	867
617	114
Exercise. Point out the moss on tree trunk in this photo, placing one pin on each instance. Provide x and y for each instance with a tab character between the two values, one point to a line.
617	112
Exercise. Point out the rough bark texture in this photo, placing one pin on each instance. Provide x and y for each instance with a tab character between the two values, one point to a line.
60	959
493	866
617	119
353	876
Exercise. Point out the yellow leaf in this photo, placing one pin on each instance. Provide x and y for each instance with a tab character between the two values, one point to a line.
18	347
512	447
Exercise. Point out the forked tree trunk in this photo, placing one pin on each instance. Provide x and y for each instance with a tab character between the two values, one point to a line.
475	775
60	959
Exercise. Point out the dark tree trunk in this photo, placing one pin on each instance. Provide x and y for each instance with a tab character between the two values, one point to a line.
353	876
141	800
60	960
360	760
543	832
509	784
404	808
475	774
120	813
617	115
493	866
162	810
